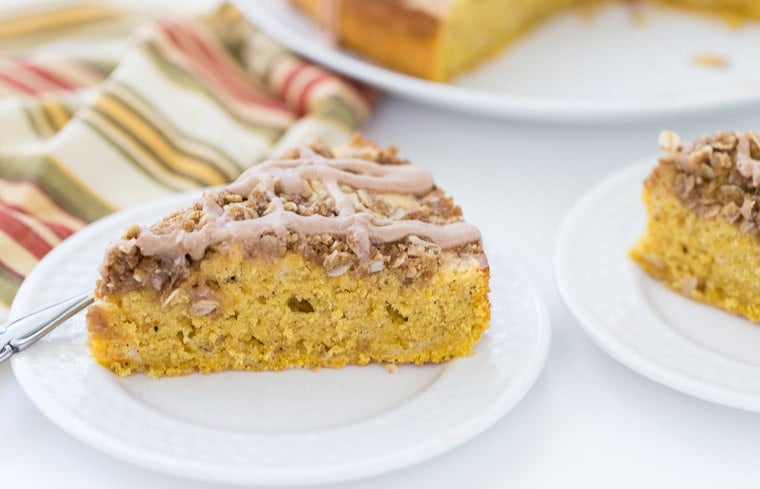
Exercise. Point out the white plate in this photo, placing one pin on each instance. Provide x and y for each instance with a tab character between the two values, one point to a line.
603	66
688	346
291	427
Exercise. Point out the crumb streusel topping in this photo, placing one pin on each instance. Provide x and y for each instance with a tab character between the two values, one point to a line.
361	209
717	175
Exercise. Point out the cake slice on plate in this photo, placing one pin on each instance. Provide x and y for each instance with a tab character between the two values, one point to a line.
322	258
703	236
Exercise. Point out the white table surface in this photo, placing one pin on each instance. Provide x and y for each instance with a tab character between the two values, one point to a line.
588	421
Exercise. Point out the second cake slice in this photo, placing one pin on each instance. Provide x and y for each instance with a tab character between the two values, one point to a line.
703	207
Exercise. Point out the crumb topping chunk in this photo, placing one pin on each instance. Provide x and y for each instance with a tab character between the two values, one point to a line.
717	175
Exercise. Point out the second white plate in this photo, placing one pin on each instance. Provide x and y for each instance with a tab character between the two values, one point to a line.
277	428
688	346
621	61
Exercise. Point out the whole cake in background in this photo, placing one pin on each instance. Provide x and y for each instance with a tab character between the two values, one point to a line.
438	39
703	231
320	259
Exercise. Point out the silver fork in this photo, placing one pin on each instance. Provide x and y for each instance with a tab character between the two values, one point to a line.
23	332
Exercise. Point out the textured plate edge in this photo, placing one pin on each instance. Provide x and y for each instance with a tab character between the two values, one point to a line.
616	349
523	385
464	432
476	102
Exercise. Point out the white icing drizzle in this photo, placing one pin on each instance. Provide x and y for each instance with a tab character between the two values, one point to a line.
361	229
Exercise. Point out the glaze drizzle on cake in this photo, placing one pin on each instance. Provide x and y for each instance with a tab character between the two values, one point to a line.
312	193
290	176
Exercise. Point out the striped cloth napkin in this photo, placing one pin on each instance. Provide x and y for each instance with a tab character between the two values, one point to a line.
104	107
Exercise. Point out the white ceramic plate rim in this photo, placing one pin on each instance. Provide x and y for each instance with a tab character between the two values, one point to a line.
264	14
455	435
635	359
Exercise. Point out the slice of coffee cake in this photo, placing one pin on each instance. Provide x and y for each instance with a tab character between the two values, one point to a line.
702	236
319	259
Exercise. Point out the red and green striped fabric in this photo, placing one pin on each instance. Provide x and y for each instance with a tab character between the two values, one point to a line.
102	108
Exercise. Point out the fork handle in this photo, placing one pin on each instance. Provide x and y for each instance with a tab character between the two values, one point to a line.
23	332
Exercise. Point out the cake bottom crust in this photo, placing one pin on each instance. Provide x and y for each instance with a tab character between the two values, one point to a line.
706	259
237	313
